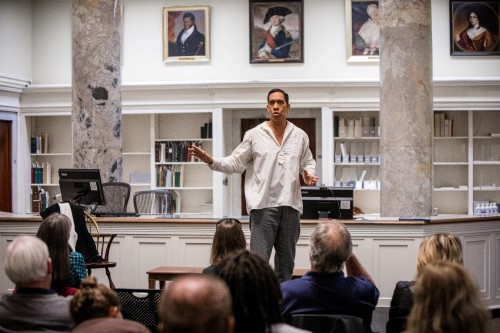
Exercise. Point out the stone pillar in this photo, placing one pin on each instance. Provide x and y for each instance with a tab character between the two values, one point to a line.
96	111
406	108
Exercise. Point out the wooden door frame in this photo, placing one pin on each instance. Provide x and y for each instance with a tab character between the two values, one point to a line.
5	166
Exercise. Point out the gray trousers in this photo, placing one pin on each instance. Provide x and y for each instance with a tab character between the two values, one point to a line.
278	227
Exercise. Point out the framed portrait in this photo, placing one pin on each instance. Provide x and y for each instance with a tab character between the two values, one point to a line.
474	28
276	31
186	33
362	31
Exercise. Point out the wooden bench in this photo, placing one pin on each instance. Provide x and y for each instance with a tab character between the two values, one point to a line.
168	273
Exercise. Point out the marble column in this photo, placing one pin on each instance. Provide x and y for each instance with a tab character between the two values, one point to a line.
96	83
406	108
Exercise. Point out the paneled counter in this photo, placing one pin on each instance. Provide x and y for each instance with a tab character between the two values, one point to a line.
386	247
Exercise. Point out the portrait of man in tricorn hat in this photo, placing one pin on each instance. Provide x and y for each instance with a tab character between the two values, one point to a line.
278	40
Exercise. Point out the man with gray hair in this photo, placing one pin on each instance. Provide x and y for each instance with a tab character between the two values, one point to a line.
196	304
325	289
34	306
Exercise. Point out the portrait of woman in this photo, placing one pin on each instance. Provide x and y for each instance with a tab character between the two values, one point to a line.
475	28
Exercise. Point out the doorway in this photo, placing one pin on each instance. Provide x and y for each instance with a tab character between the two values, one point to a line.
5	166
308	125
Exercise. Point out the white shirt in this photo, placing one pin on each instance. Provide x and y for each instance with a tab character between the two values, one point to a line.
186	34
272	178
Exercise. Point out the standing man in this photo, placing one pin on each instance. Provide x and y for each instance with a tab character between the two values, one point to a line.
190	42
274	154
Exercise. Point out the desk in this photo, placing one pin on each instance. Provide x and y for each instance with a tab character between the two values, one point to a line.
168	273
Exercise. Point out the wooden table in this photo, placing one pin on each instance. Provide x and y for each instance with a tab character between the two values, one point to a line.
168	273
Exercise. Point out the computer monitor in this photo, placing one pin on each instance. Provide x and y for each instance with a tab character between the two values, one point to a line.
327	202
82	186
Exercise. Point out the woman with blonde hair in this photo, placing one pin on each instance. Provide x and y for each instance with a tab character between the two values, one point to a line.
96	308
446	299
439	246
228	237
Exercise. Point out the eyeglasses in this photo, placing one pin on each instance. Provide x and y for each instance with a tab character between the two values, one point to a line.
274	101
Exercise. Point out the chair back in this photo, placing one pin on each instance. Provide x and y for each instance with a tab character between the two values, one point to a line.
154	202
116	195
396	325
103	242
327	323
140	305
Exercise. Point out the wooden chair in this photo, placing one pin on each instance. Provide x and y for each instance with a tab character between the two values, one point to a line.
103	243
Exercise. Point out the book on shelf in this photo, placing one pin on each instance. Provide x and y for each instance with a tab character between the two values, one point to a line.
41	173
443	127
175	151
169	176
40	143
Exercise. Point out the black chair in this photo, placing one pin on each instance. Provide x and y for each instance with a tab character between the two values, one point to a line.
140	305
327	323
396	325
154	202
116	195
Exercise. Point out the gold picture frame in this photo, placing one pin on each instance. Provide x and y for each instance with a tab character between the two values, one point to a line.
286	44
362	31
194	45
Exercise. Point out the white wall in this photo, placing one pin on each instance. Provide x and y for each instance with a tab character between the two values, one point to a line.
15	39
324	44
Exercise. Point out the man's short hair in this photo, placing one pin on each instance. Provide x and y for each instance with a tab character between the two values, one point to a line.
195	304
272	91
26	260
330	246
188	15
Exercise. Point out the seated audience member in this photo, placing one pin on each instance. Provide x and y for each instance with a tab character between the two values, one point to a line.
325	289
96	308
68	267
446	299
228	237
196	304
440	246
34	307
255	292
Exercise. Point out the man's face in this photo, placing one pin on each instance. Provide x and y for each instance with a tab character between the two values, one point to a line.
275	20
188	23
277	106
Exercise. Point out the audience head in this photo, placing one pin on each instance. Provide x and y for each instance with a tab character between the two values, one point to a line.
94	300
446	299
27	262
228	237
54	231
330	247
255	291
440	246
196	304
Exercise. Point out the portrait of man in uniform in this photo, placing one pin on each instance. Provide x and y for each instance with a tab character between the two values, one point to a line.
276	33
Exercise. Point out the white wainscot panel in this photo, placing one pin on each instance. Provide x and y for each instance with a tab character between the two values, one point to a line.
477	259
194	251
394	260
149	253
302	254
